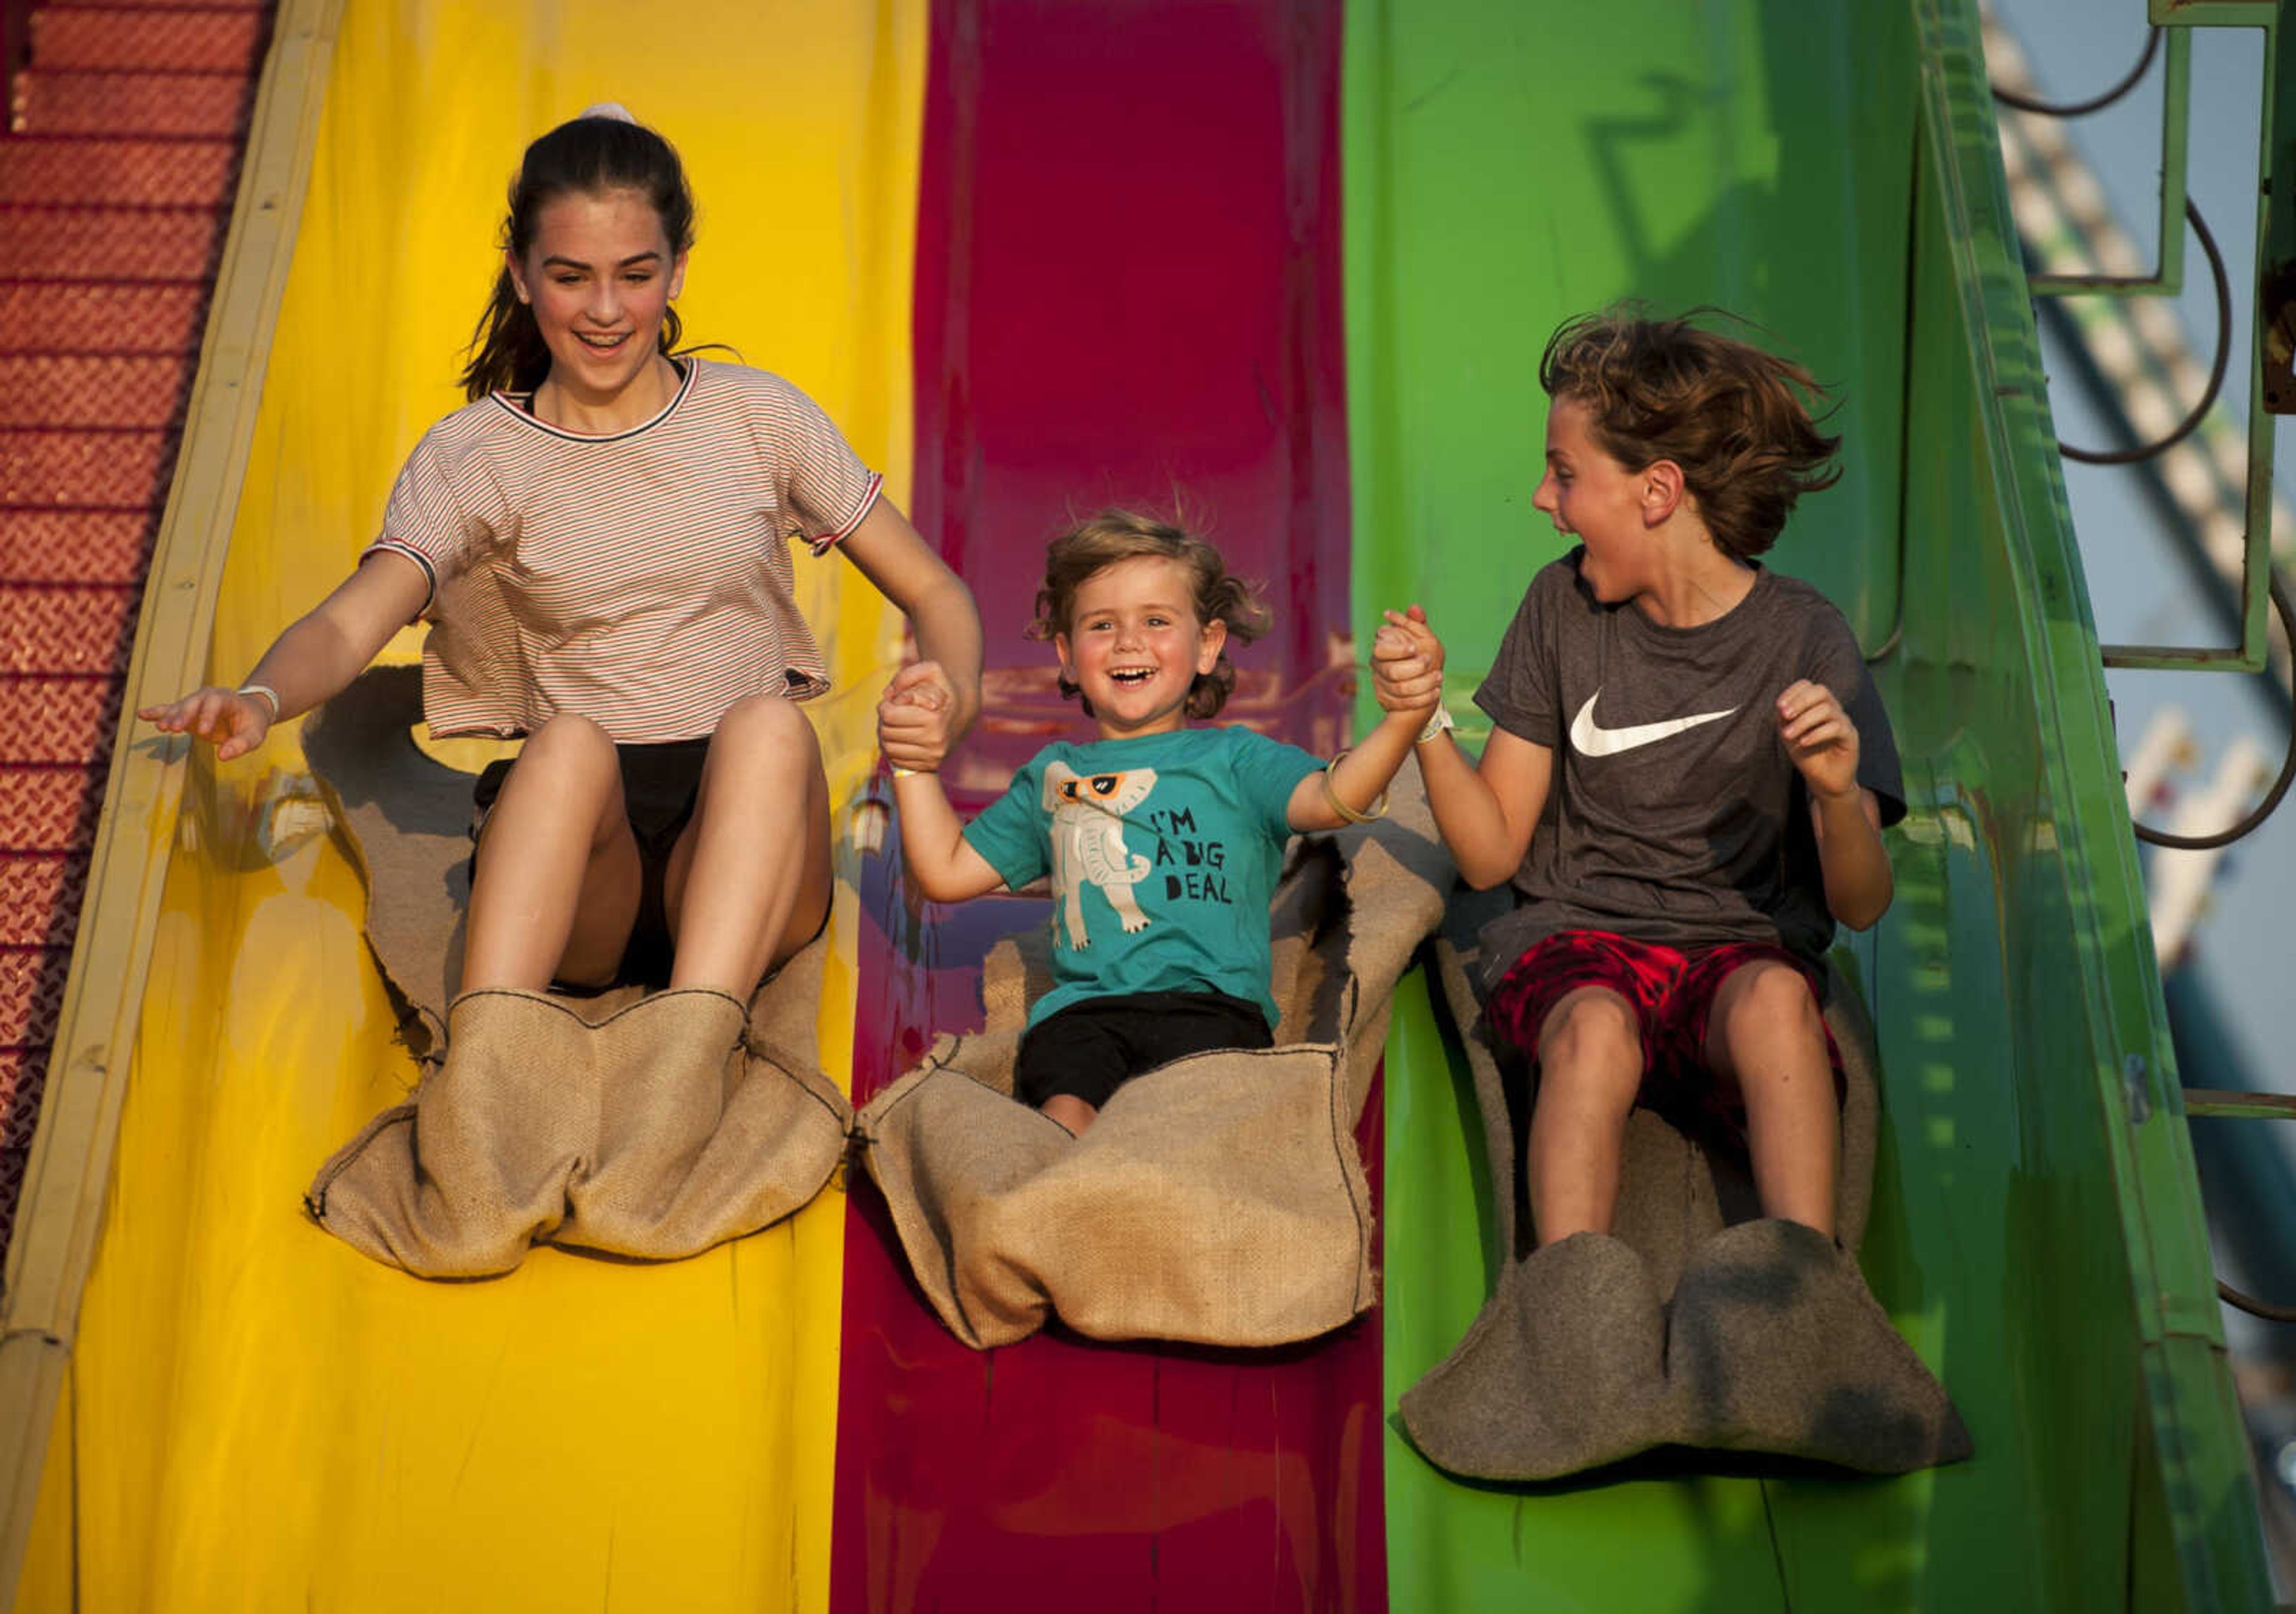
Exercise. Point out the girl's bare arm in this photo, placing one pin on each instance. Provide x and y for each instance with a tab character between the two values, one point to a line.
940	608
315	659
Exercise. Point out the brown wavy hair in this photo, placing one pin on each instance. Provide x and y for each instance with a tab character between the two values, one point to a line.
1122	535
591	155
1732	416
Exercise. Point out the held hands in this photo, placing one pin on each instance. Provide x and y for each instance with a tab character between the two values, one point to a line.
233	723
915	717
1820	738
1407	663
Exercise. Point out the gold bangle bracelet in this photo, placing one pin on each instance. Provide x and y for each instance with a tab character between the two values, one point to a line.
1331	798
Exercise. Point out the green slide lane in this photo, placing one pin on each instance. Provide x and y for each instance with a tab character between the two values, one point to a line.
1830	172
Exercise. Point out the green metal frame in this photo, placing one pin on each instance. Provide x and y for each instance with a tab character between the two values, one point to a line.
2252	652
2167	276
2192	1471
2038	1232
2210	14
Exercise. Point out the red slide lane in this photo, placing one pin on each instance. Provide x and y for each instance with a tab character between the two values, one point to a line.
1127	291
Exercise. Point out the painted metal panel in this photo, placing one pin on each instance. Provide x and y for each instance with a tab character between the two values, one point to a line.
259	1417
2034	1227
1127	291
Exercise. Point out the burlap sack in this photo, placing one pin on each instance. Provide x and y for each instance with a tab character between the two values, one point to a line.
651	1126
1219	1200
1698	1323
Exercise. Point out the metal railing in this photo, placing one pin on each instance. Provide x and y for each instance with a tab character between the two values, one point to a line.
2262	593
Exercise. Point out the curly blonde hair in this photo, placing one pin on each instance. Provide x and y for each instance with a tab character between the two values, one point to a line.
1730	415
1115	536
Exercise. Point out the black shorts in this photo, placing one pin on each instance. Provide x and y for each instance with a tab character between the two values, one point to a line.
661	783
1088	1050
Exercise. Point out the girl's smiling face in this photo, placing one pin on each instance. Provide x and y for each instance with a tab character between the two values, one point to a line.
1135	647
1599	501
599	276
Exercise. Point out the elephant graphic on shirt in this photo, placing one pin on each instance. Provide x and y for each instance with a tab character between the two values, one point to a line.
1088	845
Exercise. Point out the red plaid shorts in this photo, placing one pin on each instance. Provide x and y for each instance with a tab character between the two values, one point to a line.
1672	994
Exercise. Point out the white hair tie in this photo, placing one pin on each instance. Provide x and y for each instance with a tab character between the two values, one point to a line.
614	109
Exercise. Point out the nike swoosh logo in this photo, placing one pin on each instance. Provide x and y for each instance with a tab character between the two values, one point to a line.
1589	738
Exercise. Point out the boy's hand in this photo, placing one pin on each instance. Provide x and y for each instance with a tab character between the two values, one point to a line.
915	716
1407	663
1820	738
233	723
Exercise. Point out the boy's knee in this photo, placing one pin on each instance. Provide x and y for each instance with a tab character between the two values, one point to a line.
1591	1029
1770	993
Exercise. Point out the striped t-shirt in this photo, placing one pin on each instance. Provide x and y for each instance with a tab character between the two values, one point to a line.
641	579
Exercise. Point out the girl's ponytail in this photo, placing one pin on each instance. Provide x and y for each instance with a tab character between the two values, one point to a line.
507	354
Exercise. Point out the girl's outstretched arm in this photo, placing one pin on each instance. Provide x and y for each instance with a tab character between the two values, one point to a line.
938	604
1486	813
314	661
935	854
1823	742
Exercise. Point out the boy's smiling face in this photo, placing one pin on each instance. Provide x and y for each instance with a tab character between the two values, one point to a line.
1594	498
1135	647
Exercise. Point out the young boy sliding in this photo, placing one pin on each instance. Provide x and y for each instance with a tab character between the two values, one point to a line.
1163	840
1687	775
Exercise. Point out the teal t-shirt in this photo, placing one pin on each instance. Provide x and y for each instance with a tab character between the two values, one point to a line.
1164	852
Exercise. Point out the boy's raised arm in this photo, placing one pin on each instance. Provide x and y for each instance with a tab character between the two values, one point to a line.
1823	742
1486	813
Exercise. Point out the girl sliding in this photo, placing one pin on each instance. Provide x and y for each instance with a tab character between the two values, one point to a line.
600	543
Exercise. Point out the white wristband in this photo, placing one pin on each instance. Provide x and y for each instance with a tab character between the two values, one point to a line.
1436	723
264	690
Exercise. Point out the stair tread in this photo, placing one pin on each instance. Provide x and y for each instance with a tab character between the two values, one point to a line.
46	809
62	720
75	545
122	103
70	627
84	468
127	171
40	896
79	37
75	317
85	390
109	244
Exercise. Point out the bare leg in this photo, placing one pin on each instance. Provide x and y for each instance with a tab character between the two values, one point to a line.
1765	1034
748	881
1071	1111
555	889
1590	1067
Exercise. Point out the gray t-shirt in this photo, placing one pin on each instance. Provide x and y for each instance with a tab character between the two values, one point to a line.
1675	815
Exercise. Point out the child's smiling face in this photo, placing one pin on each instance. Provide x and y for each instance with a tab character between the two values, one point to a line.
1596	499
599	276
1135	647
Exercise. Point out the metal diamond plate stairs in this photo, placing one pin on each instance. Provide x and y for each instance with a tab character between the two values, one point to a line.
117	174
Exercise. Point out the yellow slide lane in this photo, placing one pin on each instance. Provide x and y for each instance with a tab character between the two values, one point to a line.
256	1417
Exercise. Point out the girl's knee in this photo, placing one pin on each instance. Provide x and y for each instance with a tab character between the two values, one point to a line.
765	730
569	748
